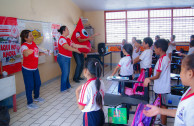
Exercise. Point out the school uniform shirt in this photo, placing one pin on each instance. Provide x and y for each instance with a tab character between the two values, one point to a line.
169	50
126	68
31	61
88	94
162	84
146	59
135	54
191	50
64	52
185	111
172	46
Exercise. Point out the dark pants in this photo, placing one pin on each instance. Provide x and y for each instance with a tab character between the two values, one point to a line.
64	63
32	82
79	59
130	85
94	118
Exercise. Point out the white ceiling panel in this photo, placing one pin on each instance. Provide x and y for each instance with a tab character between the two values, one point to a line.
95	5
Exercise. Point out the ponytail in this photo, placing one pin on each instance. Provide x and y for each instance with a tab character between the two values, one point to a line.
95	69
129	49
62	28
98	84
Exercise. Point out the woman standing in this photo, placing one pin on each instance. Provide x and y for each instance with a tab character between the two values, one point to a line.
66	46
30	70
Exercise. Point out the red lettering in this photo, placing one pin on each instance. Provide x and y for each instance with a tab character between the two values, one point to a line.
9	54
5	47
13	47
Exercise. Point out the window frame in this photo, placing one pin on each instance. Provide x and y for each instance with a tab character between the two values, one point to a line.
148	10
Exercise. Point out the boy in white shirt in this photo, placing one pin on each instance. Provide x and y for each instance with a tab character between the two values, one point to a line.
136	53
172	43
184	114
161	75
145	58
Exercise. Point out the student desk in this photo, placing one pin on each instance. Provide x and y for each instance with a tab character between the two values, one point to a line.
175	77
103	55
7	89
114	100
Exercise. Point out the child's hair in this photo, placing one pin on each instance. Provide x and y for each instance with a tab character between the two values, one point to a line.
139	41
188	62
157	36
161	43
95	69
148	41
62	28
192	37
24	34
192	43
129	49
173	36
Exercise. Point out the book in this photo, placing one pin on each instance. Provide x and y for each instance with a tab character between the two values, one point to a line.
117	78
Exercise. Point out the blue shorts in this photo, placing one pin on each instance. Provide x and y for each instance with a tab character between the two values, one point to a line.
94	118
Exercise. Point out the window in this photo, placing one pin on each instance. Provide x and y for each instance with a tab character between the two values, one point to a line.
142	23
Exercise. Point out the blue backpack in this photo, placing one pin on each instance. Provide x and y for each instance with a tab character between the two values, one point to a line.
140	119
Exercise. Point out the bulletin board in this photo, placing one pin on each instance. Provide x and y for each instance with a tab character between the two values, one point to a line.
44	33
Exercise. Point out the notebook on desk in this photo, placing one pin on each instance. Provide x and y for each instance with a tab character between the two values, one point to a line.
117	78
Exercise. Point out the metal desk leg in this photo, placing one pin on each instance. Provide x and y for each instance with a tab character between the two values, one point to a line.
111	60
103	64
14	103
122	88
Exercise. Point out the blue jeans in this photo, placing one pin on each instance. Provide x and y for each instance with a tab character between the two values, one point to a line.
64	63
32	82
79	59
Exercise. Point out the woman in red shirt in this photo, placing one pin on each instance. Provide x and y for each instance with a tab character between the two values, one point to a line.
30	70
66	46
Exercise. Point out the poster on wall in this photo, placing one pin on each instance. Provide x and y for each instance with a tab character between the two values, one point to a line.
55	37
9	45
42	34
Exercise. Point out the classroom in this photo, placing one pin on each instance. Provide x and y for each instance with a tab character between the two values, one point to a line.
96	62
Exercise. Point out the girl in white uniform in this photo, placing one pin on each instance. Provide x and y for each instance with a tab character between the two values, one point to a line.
184	114
125	65
90	96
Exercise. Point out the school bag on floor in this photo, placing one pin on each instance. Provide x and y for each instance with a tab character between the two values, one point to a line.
140	119
138	88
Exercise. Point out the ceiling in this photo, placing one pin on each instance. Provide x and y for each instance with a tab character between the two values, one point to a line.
97	5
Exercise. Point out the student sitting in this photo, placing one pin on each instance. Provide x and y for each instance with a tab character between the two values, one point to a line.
161	75
145	58
184	114
136	53
191	49
125	65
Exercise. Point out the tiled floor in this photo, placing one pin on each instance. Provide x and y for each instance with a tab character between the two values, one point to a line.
59	109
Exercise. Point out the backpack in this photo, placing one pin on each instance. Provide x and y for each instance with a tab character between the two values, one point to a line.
140	119
4	116
138	88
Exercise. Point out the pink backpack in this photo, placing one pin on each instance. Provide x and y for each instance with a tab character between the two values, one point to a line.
138	88
140	119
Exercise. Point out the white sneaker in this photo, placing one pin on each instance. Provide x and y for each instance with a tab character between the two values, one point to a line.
32	106
39	99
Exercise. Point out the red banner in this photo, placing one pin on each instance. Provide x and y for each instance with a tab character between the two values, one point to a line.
9	45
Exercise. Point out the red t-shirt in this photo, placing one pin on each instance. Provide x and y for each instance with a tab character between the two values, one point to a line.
62	41
31	61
